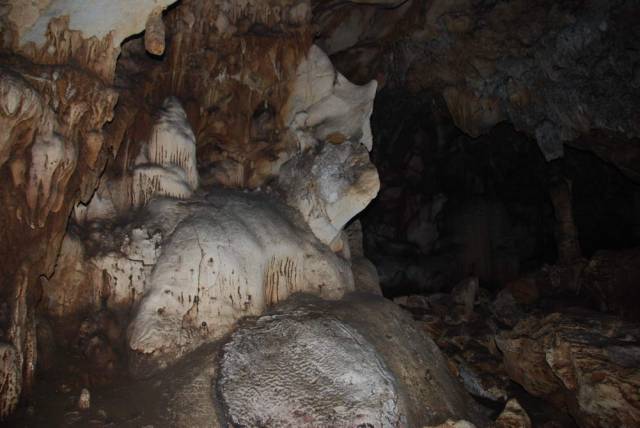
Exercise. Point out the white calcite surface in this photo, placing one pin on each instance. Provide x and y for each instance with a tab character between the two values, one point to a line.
93	18
229	255
167	164
330	186
187	271
331	179
172	143
324	105
101	267
324	371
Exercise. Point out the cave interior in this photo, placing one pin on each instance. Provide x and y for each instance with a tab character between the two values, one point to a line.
308	213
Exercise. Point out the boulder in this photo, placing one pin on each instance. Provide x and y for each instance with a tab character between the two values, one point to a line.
585	361
352	362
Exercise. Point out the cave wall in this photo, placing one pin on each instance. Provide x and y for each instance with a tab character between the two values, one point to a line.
556	71
453	206
80	89
62	76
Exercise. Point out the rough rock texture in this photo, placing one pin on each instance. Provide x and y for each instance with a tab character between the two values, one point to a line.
52	144
462	325
164	166
288	371
585	361
10	379
332	179
556	71
112	258
59	31
232	64
513	416
356	361
330	186
192	269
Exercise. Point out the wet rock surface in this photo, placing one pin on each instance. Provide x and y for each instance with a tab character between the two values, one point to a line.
583	364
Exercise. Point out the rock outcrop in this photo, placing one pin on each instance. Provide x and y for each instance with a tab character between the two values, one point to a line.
353	362
585	361
191	269
331	179
557	72
225	257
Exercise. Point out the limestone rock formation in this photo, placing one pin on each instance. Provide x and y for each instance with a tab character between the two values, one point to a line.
288	371
351	362
138	249
462	326
228	256
585	361
166	166
56	31
52	145
557	72
119	117
329	186
365	274
10	379
331	179
513	416
192	269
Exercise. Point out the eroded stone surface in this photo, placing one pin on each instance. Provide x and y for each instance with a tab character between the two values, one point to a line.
331	179
333	362
307	372
10	379
585	360
227	256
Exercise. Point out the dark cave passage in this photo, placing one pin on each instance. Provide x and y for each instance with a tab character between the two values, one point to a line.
452	206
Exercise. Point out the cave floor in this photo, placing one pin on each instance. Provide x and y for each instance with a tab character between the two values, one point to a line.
124	402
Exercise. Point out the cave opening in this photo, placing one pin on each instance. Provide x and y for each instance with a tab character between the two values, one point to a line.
264	213
452	206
